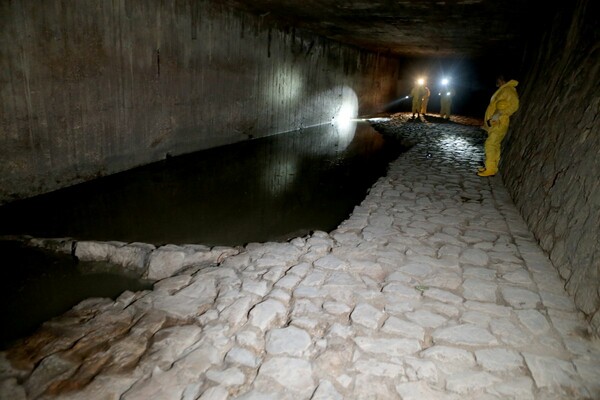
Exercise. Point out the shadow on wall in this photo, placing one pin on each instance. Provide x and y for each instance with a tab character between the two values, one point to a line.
550	163
73	113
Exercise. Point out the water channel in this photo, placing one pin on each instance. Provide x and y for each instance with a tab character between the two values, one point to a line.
268	189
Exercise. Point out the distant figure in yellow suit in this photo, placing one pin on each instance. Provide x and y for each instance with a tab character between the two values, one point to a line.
503	104
446	103
417	93
425	100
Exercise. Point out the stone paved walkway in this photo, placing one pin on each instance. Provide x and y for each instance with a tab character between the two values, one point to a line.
433	289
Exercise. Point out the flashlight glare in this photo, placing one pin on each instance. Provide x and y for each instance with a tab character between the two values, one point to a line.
406	97
421	81
447	93
445	81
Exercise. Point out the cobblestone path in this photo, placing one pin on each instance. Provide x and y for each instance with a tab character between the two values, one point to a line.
434	288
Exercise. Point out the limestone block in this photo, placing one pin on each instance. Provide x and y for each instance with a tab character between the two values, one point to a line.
517	388
293	374
172	284
474	257
418	369
264	315
559	376
288	281
534	321
520	298
426	319
290	341
236	314
228	377
165	262
378	368
476	318
169	344
480	273
366	315
59	245
449	359
161	384
400	289
331	262
390	347
443	296
489	308
416	269
300	269
10	389
336	308
133	256
93	251
241	356
499	360
406	329
465	334
520	277
191	301
469	381
202	255
51	369
374	387
422	390
326	391
259	288
215	393
475	289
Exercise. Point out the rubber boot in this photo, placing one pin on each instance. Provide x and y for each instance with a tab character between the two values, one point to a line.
486	172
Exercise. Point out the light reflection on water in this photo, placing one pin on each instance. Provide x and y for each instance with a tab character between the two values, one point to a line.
265	189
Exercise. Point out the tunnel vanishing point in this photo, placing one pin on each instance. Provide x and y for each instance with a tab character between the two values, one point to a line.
92	88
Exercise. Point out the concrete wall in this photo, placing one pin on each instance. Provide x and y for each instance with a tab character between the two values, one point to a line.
551	162
89	88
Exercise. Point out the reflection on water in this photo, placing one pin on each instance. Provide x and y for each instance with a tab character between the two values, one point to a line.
266	189
37	285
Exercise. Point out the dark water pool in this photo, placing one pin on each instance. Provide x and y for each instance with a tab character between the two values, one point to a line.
265	189
37	285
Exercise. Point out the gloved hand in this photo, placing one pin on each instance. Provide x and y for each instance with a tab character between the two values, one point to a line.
494	120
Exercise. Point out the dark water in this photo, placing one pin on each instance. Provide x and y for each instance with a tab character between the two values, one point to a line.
37	285
266	189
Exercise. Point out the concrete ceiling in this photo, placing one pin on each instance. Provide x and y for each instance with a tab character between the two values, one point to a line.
423	28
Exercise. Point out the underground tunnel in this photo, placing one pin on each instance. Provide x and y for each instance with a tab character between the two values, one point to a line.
234	200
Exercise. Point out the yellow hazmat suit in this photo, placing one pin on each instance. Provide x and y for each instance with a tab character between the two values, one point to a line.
426	95
417	93
503	104
446	103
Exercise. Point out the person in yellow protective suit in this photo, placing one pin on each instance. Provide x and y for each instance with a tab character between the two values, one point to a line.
446	103
503	104
425	100
417	93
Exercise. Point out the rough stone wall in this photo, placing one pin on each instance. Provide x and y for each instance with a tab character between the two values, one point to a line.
90	88
551	162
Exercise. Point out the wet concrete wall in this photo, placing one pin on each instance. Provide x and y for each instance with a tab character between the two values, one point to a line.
90	88
551	162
